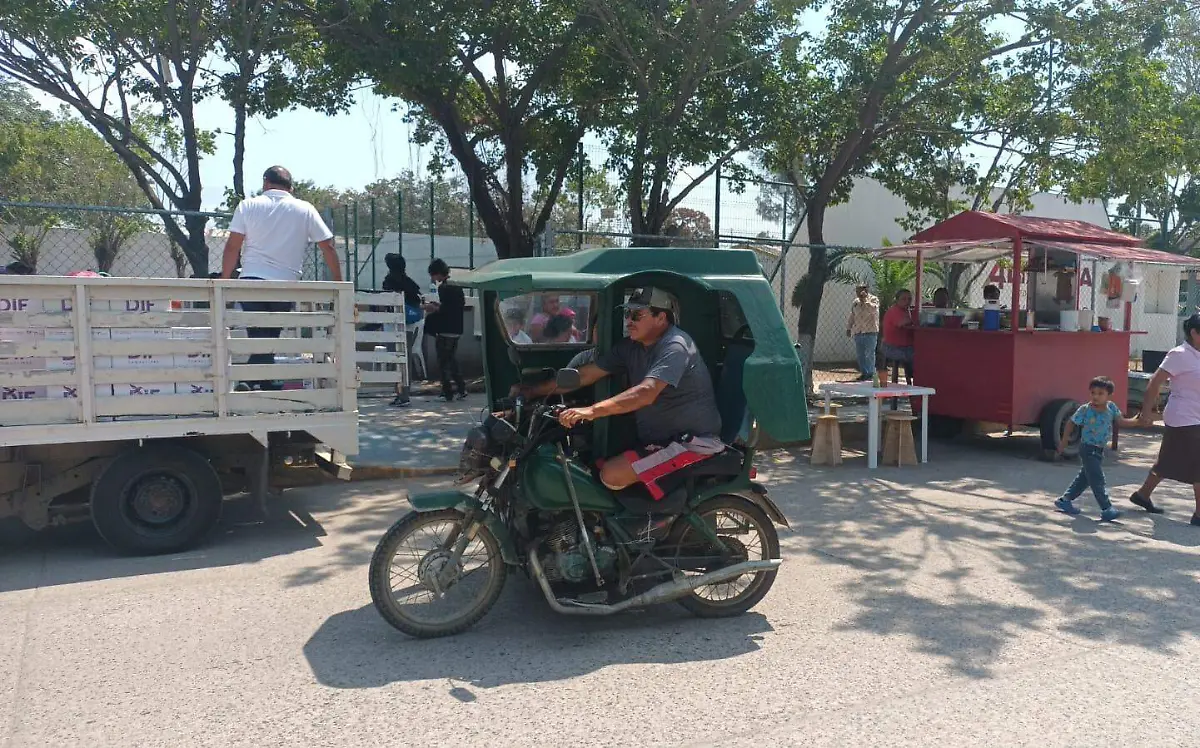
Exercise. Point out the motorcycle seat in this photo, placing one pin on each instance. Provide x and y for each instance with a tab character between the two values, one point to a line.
637	498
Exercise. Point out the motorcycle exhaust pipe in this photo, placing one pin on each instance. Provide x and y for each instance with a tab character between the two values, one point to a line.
665	592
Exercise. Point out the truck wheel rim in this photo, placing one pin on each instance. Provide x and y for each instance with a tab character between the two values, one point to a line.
157	501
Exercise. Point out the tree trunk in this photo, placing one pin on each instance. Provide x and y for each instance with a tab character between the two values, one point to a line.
239	143
196	248
813	290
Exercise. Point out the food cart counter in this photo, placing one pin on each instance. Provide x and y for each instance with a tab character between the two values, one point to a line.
1006	377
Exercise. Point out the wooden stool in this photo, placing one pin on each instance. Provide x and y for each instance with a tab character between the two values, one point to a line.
834	408
827	441
898	446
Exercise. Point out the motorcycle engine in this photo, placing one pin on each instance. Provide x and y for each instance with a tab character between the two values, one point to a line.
567	560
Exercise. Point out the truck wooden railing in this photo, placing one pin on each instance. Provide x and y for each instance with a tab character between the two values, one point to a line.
93	359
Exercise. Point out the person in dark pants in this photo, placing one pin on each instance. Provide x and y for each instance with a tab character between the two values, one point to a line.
444	321
271	233
397	281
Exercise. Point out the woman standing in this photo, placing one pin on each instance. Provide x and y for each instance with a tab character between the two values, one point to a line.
1179	453
863	327
898	324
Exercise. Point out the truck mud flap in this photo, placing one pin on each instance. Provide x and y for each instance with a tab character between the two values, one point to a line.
333	463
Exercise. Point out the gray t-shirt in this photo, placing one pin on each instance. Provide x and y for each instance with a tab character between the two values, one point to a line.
688	405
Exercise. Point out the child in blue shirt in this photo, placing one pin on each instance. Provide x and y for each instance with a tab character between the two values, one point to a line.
1095	421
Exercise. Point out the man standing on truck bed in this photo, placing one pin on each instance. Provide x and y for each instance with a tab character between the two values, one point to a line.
271	233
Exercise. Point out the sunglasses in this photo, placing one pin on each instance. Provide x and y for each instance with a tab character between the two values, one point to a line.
635	315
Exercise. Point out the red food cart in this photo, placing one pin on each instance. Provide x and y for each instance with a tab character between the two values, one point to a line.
1025	374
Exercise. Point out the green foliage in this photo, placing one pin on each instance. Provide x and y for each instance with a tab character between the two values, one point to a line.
699	84
505	90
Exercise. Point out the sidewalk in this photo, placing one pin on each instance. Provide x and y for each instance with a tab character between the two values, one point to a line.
422	439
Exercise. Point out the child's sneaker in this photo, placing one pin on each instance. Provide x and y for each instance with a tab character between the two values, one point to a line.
1066	507
1108	515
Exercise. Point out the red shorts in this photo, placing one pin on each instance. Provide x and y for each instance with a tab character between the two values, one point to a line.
652	463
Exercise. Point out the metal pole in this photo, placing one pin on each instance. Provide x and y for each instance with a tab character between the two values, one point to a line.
582	170
782	256
470	237
318	273
355	245
374	244
400	221
432	196
717	210
346	236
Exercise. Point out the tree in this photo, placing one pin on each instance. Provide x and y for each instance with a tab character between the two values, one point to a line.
687	227
506	90
94	176
272	67
1141	122
701	87
134	71
889	82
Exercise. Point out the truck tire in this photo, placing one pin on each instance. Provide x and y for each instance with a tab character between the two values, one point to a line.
1052	422
156	499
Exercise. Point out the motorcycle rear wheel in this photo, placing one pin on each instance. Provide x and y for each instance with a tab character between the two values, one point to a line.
728	515
422	577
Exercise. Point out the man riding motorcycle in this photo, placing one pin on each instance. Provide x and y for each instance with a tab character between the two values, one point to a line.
672	399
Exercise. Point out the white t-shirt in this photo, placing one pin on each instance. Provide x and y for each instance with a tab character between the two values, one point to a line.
279	229
1183	407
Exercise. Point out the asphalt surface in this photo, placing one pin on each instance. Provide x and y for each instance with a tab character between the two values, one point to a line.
915	607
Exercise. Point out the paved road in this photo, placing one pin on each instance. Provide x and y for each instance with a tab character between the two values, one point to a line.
916	607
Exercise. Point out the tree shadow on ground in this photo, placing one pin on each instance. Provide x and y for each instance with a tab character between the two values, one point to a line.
963	564
521	641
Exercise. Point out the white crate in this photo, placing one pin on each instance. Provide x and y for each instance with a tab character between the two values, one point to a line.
22	363
193	360
60	363
193	388
68	391
160	361
192	333
141	306
22	392
140	333
143	390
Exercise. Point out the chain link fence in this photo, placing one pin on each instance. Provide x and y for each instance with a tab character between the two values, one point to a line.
759	215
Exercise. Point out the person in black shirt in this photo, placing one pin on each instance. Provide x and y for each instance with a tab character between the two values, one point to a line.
445	323
397	281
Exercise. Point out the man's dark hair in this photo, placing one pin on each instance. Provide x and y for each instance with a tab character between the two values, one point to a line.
558	324
991	292
1103	383
1190	325
902	292
277	175
439	267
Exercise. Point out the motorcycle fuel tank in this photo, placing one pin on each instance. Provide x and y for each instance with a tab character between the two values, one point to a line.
545	485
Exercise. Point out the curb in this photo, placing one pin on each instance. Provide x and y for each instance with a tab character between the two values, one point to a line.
360	473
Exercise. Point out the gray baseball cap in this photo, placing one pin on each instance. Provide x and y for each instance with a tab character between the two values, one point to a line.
644	298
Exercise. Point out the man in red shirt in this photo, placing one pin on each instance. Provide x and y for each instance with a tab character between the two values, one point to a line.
898	324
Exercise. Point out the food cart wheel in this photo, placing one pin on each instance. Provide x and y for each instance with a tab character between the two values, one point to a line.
1053	421
161	498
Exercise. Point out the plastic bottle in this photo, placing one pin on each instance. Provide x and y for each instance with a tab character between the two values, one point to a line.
875	380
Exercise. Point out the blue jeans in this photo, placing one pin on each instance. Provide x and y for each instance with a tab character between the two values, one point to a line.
864	347
1091	474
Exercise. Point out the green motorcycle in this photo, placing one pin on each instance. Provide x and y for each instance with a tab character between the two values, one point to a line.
710	543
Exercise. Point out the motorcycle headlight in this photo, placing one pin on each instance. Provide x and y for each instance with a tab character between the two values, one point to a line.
475	458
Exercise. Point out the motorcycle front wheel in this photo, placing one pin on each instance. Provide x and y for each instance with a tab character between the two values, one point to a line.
419	585
748	534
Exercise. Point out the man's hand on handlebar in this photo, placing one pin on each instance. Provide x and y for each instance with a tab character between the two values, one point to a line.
572	417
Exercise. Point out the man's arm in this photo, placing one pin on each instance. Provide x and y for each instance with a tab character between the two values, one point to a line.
233	252
635	398
331	259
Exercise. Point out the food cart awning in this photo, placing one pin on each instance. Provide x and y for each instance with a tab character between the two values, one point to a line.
994	249
974	236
